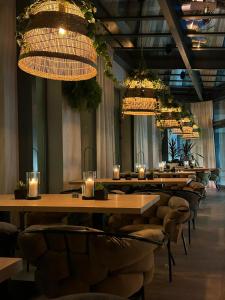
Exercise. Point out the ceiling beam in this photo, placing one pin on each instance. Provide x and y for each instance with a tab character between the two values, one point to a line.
135	35
159	17
207	60
168	10
164	48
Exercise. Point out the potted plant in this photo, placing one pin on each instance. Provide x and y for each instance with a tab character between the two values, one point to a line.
101	192
186	152
20	191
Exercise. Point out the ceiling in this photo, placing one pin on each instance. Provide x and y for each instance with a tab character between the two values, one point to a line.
184	47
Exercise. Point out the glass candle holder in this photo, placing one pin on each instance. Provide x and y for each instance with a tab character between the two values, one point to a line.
193	163
186	164
161	166
116	172
137	166
141	172
89	184
33	185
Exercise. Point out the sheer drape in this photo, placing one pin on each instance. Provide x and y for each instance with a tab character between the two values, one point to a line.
71	144
141	149
203	113
105	125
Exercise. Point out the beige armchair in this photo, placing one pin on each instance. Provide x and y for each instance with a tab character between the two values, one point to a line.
167	216
72	260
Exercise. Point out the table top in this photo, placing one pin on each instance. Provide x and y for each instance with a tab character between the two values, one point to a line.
178	173
9	267
130	204
136	181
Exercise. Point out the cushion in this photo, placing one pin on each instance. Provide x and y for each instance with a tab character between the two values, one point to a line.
196	185
162	211
176	202
7	228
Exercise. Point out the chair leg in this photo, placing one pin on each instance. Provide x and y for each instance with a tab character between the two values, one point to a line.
172	259
189	232
169	260
184	243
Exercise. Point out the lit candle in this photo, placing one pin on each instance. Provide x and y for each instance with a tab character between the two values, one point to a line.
89	188
161	166
116	173
33	188
141	173
186	164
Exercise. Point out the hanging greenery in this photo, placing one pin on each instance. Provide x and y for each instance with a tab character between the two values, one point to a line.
89	11
83	95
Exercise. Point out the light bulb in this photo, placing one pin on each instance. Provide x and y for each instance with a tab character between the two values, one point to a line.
62	31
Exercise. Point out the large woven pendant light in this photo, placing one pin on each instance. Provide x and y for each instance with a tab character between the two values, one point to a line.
170	116
194	134
139	99
55	44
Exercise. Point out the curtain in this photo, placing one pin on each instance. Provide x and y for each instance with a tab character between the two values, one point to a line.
8	99
203	114
141	146
105	125
71	144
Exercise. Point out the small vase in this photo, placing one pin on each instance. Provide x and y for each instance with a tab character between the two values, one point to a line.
20	193
101	195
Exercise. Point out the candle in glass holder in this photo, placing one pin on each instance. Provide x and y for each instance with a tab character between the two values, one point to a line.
161	166
137	166
33	182
141	172
89	188
186	164
116	172
33	188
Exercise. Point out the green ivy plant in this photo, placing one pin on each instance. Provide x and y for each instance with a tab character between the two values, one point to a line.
83	95
89	11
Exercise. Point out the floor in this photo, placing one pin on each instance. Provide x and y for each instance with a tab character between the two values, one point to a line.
198	276
201	274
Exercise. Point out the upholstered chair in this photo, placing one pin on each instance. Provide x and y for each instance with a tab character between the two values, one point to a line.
72	260
8	239
203	177
215	176
167	216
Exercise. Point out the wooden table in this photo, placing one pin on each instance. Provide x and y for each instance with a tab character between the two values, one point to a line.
127	204
9	267
176	174
162	181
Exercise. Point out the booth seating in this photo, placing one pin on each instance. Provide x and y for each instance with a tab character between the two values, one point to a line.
72	260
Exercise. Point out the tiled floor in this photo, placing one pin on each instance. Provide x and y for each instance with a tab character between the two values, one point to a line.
201	274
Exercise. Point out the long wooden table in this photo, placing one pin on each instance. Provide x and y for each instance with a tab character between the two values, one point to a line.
9	267
127	204
162	181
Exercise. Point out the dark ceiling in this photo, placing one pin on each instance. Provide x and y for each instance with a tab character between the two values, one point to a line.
183	45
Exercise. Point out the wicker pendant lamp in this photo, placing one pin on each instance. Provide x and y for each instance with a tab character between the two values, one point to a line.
170	115
142	94
55	43
194	134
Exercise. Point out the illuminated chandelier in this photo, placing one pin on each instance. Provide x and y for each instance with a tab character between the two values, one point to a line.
170	116
142	94
55	44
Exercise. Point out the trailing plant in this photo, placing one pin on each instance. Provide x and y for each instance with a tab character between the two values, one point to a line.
173	150
144	78
89	11
99	187
83	95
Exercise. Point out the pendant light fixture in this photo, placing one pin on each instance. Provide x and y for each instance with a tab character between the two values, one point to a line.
194	134
55	44
142	91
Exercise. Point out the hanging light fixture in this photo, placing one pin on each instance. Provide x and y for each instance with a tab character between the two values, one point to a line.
141	94
55	44
170	115
194	134
205	6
